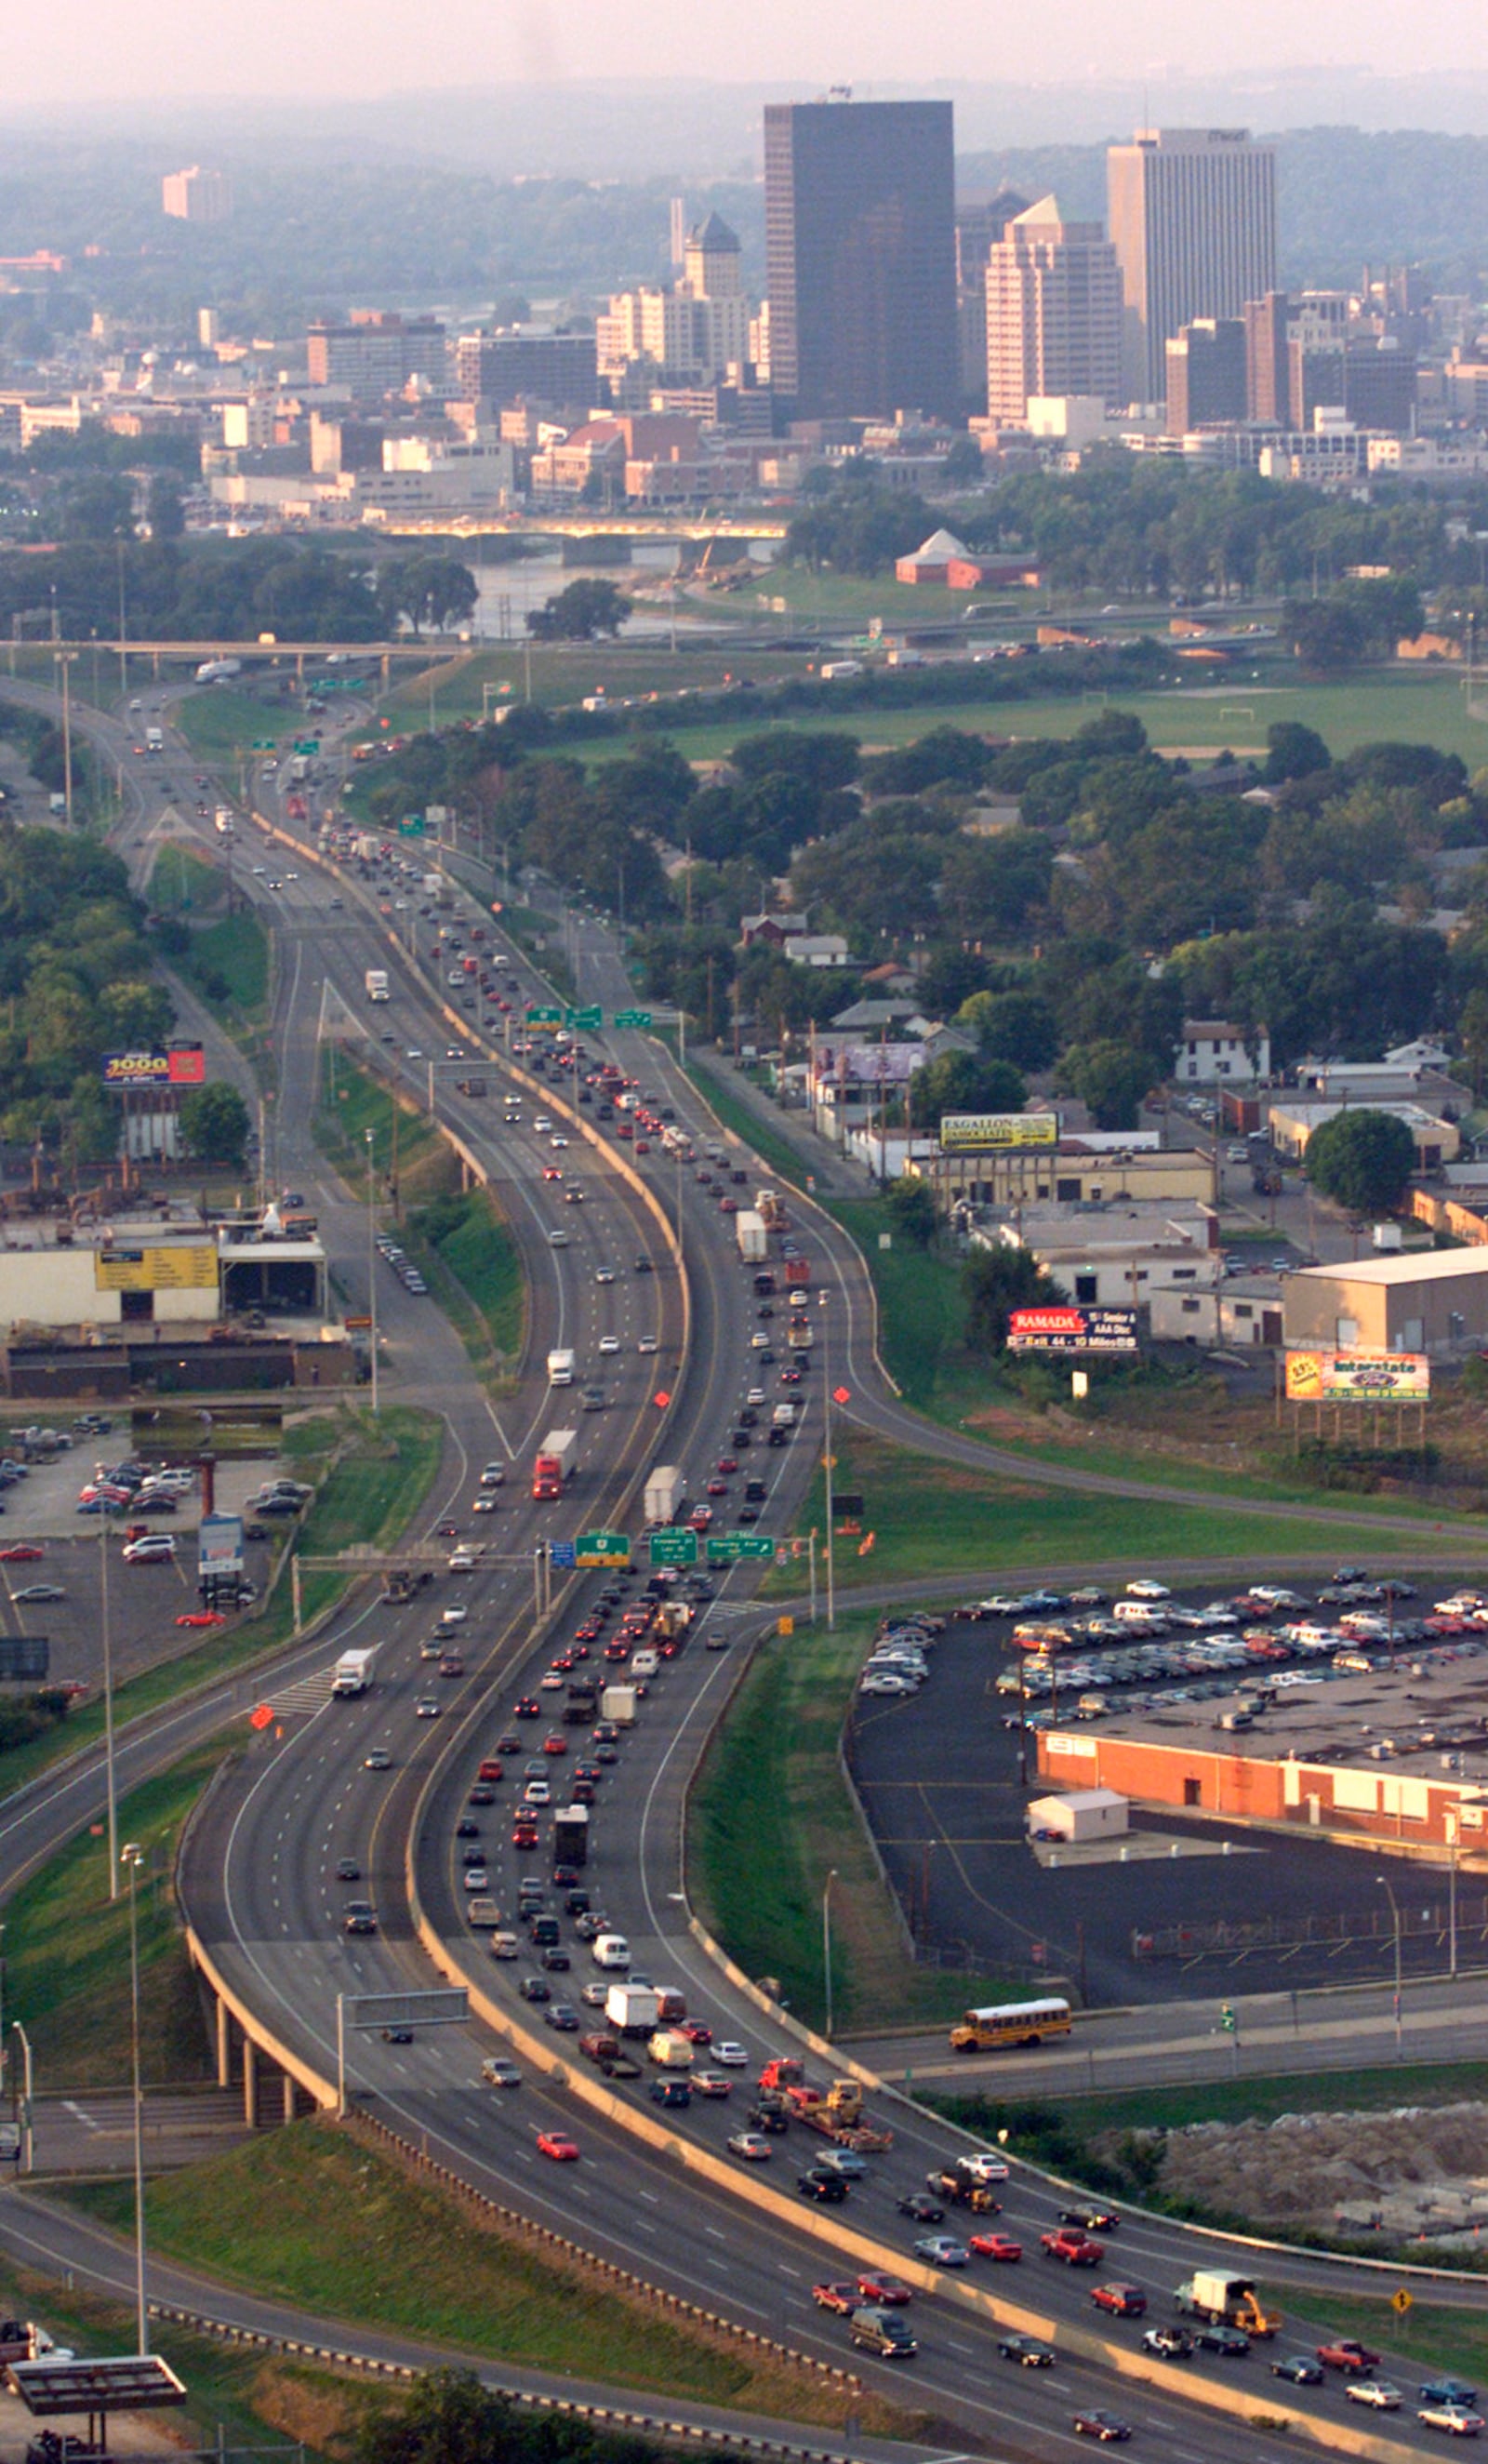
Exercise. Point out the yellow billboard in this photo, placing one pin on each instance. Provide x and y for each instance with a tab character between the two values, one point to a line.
968	1132
183	1267
1358	1377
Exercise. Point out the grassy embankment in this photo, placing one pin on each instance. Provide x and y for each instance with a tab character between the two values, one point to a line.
373	1478
771	1817
226	955
312	2214
459	1240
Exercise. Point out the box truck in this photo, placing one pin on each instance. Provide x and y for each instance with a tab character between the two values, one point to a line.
561	1369
617	1704
749	1231
665	1491
631	2009
377	984
354	1672
571	1836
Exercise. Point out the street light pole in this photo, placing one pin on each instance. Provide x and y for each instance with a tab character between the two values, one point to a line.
826	1463
28	2078
826	1943
1394	1910
133	1857
372	1261
110	1786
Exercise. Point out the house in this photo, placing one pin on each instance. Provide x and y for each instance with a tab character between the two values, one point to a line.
776	930
866	1017
816	950
1213	1049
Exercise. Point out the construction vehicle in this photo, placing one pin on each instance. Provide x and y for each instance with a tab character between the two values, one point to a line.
769	1209
837	2113
963	2190
1225	2301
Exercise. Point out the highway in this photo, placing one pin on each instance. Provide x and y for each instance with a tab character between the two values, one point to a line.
259	1881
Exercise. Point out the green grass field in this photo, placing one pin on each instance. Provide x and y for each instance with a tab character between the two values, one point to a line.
770	1816
322	2217
67	1950
220	724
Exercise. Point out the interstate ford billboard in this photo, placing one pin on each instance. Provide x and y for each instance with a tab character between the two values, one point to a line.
1072	1330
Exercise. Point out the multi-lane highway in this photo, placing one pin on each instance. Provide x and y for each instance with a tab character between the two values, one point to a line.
261	1885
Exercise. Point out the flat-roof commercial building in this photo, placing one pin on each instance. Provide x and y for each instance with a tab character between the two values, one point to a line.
1075	1173
1436	1301
1294	1121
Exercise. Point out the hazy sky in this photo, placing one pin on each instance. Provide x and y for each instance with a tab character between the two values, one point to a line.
158	49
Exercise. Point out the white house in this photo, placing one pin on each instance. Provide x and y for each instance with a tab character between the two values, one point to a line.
1214	1052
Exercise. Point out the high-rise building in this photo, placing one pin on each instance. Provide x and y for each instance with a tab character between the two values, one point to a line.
1053	312
978	228
1192	213
377	353
196	196
691	333
1205	373
1267	379
509	367
859	212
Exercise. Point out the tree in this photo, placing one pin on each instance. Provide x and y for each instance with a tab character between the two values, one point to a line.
963	466
433	592
167	511
1293	752
996	1281
963	1082
1109	1077
580	612
1362	1161
1325	634
1473	1029
1016	1026
912	1207
215	1123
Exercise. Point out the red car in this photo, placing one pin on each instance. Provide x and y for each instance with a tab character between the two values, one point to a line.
994	2245
21	1552
718	1488
886	2289
728	1463
201	1618
524	1835
1127	2301
557	2145
554	1745
695	2031
840	2298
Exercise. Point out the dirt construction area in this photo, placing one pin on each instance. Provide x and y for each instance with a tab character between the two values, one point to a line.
1420	2172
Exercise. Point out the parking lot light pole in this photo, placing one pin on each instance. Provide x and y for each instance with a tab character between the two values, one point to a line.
1394	1910
826	1944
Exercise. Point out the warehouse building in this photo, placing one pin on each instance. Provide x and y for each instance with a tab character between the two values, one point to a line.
1436	1301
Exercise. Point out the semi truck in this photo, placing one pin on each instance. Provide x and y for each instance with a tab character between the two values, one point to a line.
354	1672
632	2010
377	984
583	1703
555	1465
561	1369
749	1231
571	1836
1226	2302
665	1491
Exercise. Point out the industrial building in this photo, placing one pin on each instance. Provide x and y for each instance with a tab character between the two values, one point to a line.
1433	1301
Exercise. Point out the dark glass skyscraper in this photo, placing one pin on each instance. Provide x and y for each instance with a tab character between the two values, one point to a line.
860	243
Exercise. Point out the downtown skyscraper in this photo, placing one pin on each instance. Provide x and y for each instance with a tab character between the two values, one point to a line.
1193	214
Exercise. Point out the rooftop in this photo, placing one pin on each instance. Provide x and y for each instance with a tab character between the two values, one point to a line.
1413	1266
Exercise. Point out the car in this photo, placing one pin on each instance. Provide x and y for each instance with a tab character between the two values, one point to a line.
609	1344
647	1344
1228	2343
1124	2300
1454	2418
1373	2392
379	1759
710	2083
671	2092
21	1552
397	2035
941	2250
195	1618
157	1547
427	1708
1028	2352
347	1870
563	2016
527	1708
1093	2220
840	2298
750	2145
557	2145
1096	2423
694	2030
1298	2369
994	2245
1448	2391
888	2290
1144	1588
921	2209
732	2057
984	2165
535	1989
32	1592
1171	2343
359	1917
826	2188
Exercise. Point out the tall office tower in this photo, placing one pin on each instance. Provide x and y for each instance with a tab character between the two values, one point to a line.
1192	213
1053	312
860	208
196	196
1267	388
1205	373
978	228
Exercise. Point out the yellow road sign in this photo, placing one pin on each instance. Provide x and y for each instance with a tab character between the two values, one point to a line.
785	1625
1401	2301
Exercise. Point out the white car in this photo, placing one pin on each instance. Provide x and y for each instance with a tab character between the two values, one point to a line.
537	1793
885	1681
541	1121
984	2165
732	2057
558	1142
605	1275
755	1398
647	1344
609	1343
155	1544
1385	2399
453	1616
427	1708
1146	1589
462	1561
550	1682
492	1476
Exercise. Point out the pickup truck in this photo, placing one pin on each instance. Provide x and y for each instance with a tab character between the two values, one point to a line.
1349	2355
1074	2247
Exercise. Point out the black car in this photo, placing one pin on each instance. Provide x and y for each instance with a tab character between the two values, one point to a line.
924	2210
826	2188
1298	2369
348	1870
1027	2351
397	2035
642	1267
535	1989
1227	2342
1090	2220
769	2117
467	1829
563	2018
557	1962
481	1795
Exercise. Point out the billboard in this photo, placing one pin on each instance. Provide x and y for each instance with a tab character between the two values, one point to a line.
1072	1330
24	1657
219	1546
974	1133
1358	1377
183	1064
870	1065
184	1266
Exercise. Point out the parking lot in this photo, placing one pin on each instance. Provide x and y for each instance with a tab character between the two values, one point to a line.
144	1600
938	1772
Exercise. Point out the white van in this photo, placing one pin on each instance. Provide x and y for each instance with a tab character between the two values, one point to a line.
645	1664
1140	1613
610	1950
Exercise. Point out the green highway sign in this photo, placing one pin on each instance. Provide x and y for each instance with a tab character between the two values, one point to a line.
265	744
544	1018
632	1017
673	1547
723	1547
412	827
311	744
587	1021
601	1549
